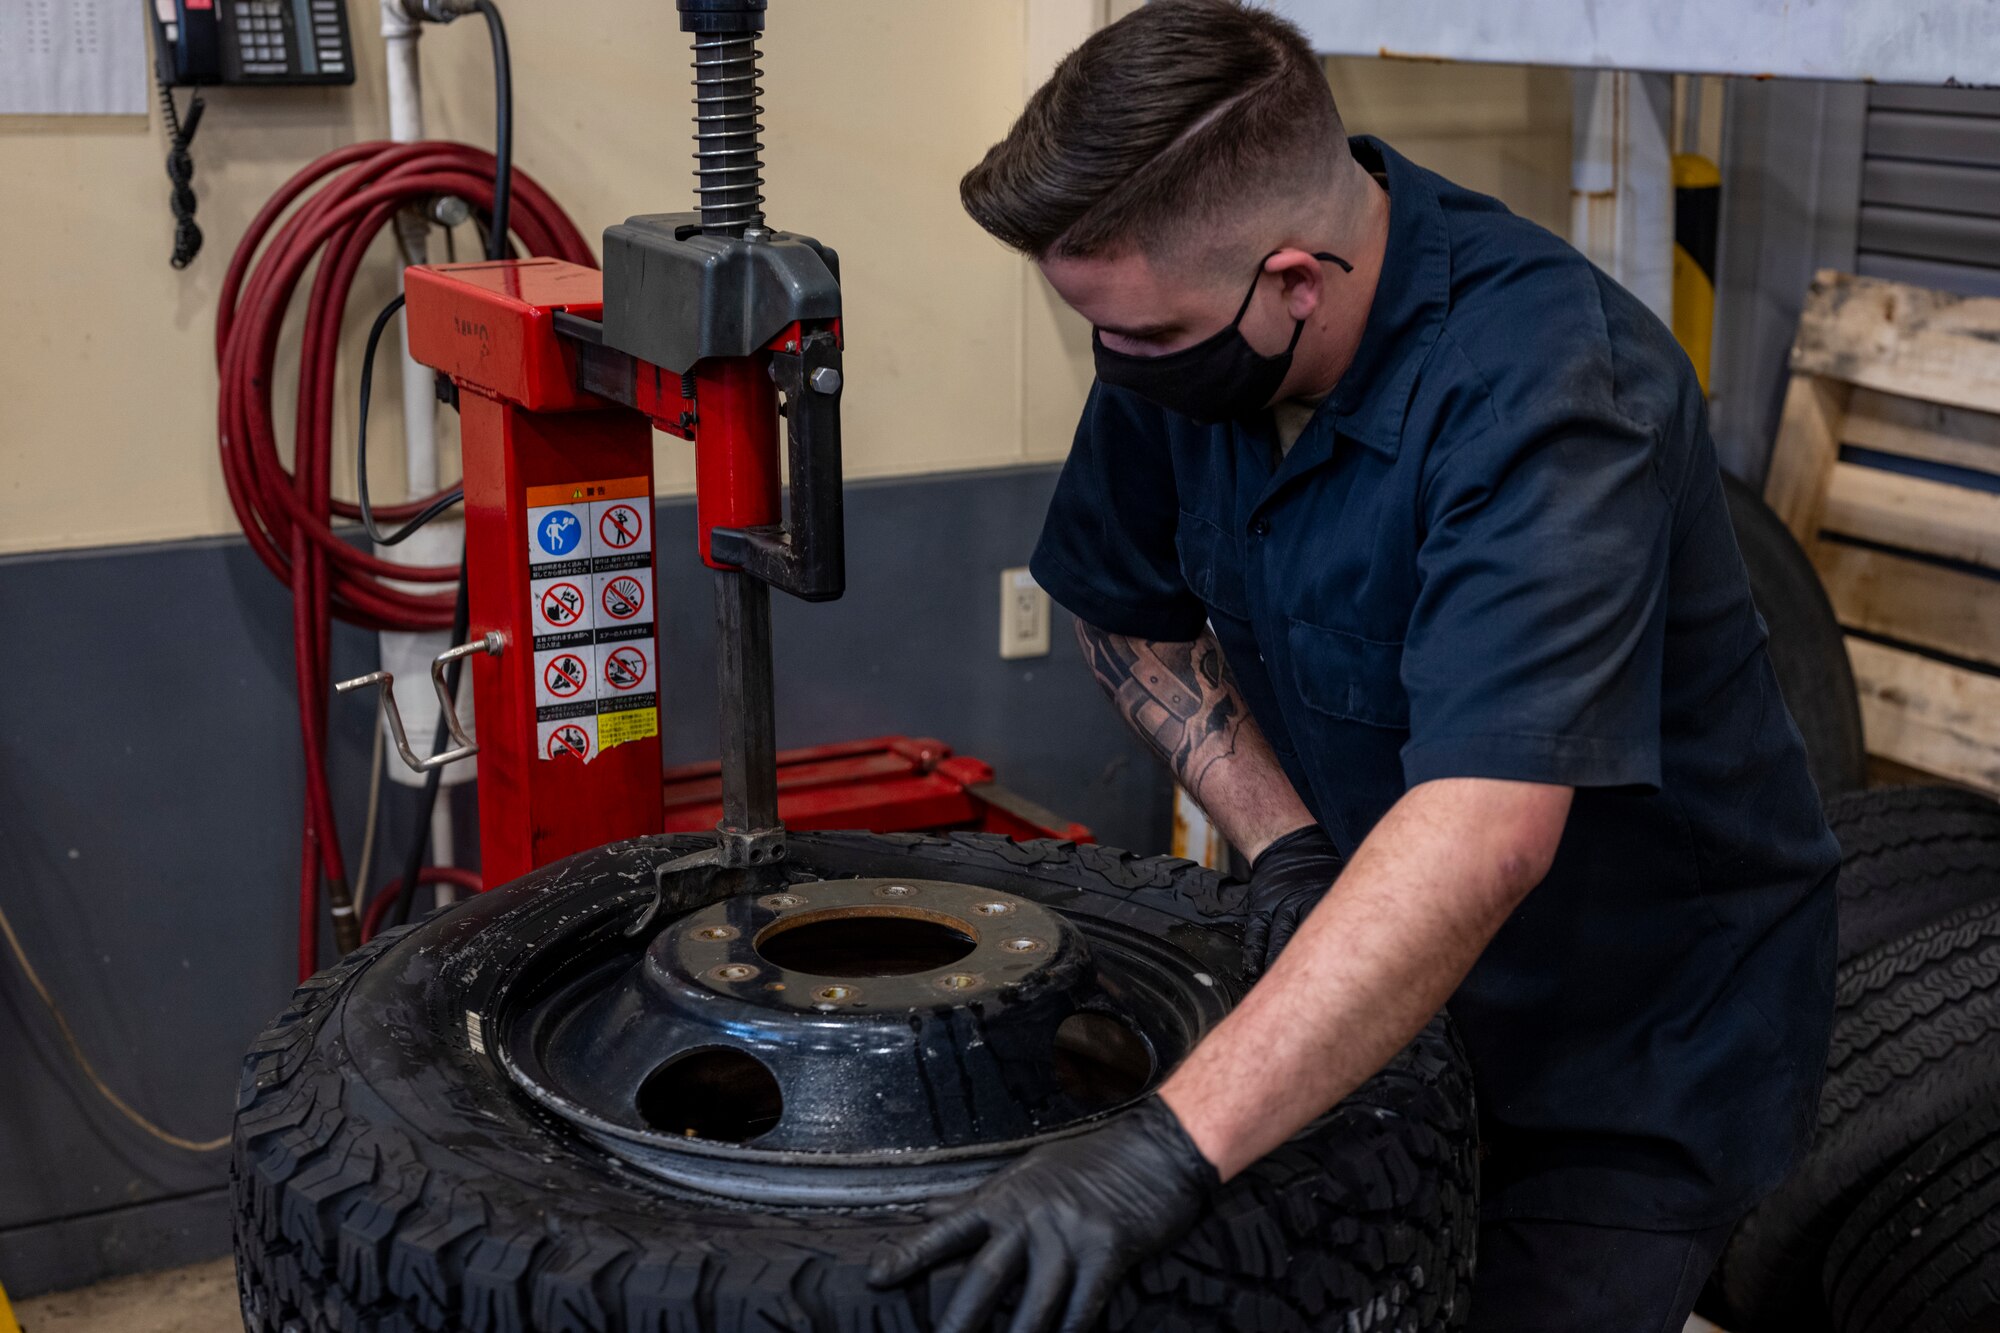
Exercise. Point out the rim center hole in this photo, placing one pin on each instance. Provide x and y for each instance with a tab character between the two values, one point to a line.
865	942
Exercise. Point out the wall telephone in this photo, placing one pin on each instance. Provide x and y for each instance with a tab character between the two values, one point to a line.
251	41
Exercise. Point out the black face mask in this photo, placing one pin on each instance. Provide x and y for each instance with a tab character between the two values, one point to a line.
1217	379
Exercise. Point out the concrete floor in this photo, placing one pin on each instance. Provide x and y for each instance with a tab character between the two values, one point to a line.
201	1299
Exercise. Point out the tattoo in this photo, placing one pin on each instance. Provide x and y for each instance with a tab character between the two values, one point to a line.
1178	696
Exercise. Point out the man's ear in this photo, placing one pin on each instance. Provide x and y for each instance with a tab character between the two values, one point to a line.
1304	282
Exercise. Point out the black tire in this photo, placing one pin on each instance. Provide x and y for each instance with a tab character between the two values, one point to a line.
1808	650
1922	1252
1916	1044
388	1176
1911	856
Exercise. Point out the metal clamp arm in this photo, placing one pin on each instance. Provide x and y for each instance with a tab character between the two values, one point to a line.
464	746
806	556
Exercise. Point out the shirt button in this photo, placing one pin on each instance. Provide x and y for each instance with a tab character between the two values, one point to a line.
1261	528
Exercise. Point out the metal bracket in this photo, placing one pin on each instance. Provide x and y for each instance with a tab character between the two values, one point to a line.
735	851
806	555
464	747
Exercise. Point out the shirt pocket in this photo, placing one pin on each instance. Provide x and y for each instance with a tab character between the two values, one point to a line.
1211	562
1345	676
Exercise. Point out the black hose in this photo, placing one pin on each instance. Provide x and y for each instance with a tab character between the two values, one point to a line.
430	511
503	136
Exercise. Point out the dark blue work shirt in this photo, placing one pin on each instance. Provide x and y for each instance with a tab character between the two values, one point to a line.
1500	550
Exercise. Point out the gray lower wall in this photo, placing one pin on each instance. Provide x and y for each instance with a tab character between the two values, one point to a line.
150	812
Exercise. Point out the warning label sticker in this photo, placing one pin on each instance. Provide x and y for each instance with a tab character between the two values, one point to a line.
590	581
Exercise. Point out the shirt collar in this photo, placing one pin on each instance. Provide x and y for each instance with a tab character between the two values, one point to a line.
1411	296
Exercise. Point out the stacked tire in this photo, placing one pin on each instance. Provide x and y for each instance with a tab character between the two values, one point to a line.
1892	1222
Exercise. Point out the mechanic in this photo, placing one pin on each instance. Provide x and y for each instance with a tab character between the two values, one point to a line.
1396	528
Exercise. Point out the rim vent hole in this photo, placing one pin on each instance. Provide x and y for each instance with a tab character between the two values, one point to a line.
715	1093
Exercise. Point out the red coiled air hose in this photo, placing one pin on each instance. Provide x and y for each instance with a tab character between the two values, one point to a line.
348	197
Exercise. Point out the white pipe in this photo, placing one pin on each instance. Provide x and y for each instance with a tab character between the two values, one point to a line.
441	844
1621	180
400	34
407	655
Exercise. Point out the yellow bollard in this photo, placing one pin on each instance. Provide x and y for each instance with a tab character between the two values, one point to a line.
8	1324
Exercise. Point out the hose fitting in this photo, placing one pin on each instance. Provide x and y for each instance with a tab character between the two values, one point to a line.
438	11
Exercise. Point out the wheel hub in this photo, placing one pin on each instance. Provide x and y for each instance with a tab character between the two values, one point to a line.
849	1040
869	947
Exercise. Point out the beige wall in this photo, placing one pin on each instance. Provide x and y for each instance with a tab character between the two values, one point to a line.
873	108
958	354
1499	129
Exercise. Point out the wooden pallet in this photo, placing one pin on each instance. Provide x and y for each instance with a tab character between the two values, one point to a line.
1890	383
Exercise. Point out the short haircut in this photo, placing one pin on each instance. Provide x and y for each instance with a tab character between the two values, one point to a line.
1158	126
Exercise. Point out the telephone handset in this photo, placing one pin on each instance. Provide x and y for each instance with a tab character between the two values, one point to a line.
258	42
253	42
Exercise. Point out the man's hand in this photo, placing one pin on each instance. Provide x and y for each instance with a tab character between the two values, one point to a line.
1287	880
1062	1224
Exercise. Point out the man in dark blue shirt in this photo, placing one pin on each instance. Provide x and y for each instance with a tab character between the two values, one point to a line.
1413	561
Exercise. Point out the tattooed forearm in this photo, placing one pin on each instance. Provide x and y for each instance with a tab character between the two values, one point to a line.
1177	696
1180	699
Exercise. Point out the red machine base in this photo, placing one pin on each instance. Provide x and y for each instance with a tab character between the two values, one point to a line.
891	784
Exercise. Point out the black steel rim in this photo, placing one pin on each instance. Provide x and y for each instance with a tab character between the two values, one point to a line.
955	1027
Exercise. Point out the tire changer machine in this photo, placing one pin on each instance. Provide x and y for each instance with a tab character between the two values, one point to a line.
710	326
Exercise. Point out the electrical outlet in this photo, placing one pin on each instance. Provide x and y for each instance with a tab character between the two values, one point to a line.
1024	615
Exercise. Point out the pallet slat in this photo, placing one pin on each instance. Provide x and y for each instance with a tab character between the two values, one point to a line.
1944	610
1804	456
1902	340
1891	424
1941	719
1916	514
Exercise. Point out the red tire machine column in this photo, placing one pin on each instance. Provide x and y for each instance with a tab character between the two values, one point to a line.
700	324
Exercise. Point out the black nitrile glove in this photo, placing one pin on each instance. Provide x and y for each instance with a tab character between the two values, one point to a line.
1062	1224
1287	880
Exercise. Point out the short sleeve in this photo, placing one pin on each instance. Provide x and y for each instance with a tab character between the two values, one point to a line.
1536	643
1107	547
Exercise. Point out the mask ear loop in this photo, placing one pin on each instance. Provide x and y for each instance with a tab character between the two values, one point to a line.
1257	277
1299	327
1248	296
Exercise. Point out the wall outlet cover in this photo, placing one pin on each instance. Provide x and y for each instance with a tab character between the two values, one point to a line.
1024	615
